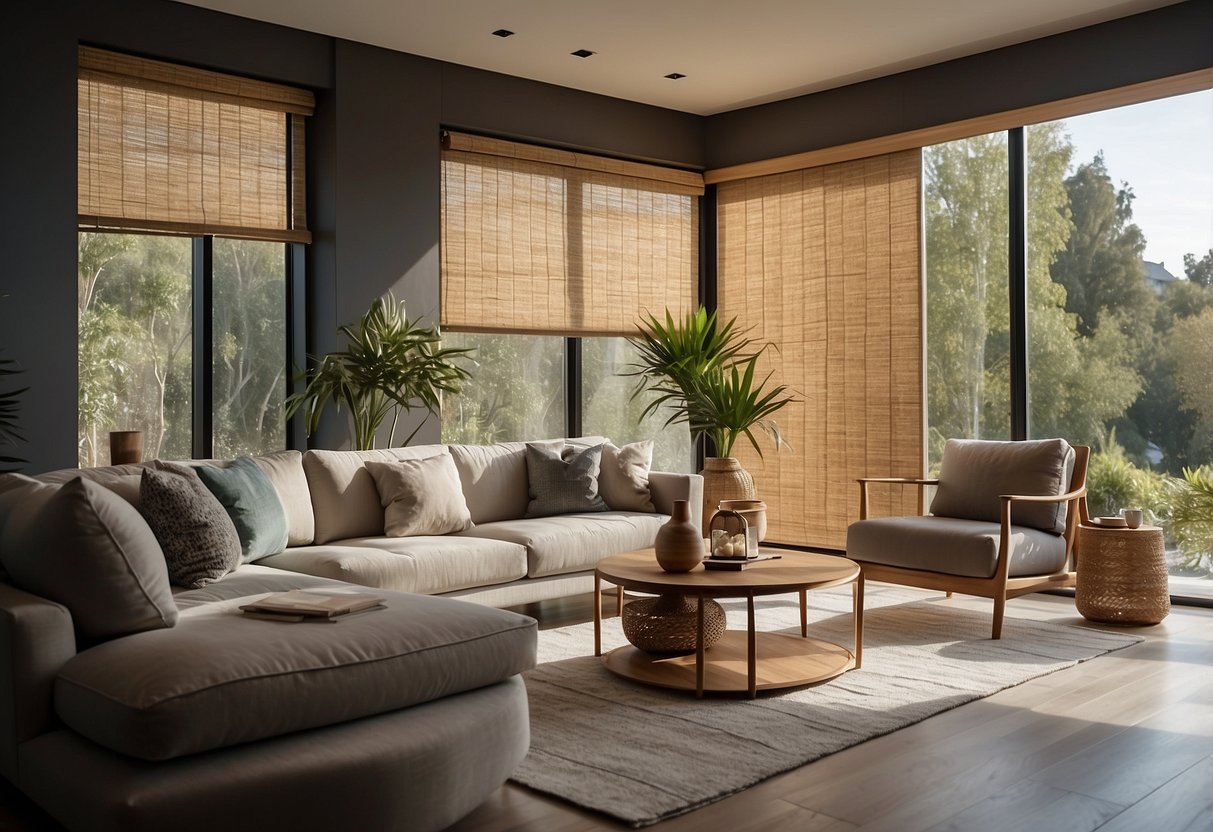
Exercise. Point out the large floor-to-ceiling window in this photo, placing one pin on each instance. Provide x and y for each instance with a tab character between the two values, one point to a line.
1118	283
191	209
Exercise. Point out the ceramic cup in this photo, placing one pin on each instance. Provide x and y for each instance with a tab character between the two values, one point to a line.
1133	517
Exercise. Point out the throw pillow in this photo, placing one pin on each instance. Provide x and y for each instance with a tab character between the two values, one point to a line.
974	472
624	482
250	500
562	482
84	547
200	542
421	496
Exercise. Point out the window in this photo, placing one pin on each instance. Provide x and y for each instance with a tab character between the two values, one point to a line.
183	325
1118	282
546	255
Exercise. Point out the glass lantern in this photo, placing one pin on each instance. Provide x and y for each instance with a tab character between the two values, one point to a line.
731	536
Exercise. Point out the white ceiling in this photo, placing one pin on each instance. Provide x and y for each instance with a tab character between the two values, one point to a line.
734	53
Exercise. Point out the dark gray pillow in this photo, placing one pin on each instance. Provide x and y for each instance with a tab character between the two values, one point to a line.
564	482
250	500
83	546
974	472
200	542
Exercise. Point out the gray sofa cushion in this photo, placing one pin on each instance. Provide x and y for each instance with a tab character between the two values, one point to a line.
953	546
409	564
563	481
219	678
974	473
574	542
85	547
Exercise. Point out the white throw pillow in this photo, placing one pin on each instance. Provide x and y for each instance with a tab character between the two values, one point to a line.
624	480
421	496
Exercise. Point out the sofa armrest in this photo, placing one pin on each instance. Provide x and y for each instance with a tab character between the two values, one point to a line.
36	639
666	487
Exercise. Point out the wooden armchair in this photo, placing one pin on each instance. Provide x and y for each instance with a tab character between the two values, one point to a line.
1002	524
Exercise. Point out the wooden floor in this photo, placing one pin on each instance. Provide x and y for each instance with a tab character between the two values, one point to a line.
1122	743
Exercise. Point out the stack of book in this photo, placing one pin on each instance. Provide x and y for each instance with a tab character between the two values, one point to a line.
300	605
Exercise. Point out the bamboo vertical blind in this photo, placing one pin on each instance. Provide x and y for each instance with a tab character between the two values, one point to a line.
176	150
826	264
553	242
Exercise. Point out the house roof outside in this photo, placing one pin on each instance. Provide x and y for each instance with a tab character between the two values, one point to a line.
1157	276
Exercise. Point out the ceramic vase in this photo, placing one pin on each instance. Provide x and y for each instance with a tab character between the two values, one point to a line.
679	543
724	479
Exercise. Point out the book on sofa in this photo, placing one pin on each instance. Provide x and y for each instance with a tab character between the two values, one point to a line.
298	604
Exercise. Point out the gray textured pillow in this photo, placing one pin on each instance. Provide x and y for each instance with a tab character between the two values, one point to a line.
624	481
421	496
249	498
974	473
562	482
200	542
83	546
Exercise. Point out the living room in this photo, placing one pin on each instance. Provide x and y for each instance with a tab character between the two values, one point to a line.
376	174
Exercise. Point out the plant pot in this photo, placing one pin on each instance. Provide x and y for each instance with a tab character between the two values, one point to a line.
679	543
126	446
724	479
754	512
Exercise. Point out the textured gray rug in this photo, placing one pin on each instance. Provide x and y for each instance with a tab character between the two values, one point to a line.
642	754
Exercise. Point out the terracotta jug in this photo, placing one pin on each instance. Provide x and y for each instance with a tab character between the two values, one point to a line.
679	543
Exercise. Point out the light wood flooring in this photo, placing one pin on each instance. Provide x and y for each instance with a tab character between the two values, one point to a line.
1122	743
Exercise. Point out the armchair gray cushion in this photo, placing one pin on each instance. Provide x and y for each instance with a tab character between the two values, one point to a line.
974	473
953	546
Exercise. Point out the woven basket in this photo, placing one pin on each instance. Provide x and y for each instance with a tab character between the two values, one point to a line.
724	479
667	623
1122	575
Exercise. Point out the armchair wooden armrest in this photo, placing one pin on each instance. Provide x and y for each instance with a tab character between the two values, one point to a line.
863	490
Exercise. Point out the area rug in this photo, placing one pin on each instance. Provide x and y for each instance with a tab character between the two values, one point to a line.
642	754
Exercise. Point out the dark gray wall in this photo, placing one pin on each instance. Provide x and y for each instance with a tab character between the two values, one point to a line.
1168	41
373	148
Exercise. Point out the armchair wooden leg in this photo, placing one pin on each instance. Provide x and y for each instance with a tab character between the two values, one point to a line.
1000	604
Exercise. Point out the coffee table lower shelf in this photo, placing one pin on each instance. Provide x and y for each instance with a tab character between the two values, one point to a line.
783	661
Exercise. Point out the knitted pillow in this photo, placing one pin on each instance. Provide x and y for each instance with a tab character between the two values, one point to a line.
200	542
562	482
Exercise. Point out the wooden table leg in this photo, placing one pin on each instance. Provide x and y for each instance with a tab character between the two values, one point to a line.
752	653
804	613
619	601
597	615
699	658
857	595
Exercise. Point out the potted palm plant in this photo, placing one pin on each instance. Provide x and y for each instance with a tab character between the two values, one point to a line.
706	375
390	366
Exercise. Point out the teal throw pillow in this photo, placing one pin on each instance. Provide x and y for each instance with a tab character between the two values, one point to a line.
254	506
563	482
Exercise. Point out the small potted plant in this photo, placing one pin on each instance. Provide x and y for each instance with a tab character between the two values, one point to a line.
390	366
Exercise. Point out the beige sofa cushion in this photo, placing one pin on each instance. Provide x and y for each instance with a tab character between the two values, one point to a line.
345	501
86	548
573	542
974	473
220	678
420	496
285	472
494	478
428	565
953	546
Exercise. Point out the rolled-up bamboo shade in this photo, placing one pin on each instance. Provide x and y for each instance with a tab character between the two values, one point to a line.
826	264
176	150
547	241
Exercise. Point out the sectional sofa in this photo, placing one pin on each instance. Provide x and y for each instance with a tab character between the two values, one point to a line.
127	704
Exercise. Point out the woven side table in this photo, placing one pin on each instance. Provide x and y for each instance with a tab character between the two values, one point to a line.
1122	575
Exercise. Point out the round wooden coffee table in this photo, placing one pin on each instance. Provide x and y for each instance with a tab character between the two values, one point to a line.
770	660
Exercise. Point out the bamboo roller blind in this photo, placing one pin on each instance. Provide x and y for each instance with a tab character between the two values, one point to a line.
826	264
547	241
175	150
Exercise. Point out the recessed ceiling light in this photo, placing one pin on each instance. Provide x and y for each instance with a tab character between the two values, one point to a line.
582	53
503	33
674	76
